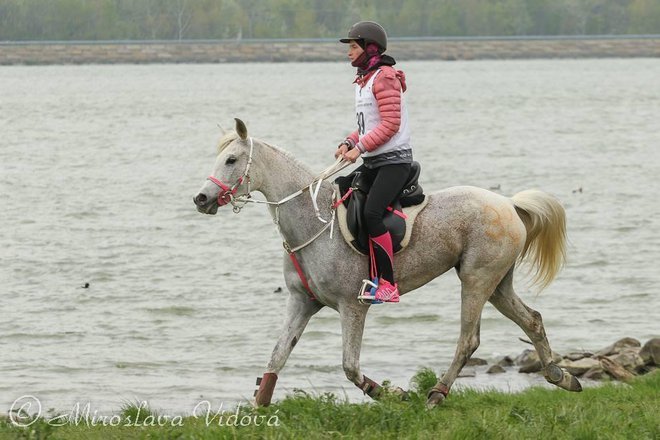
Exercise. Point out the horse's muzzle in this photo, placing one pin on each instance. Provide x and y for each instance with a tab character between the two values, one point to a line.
204	204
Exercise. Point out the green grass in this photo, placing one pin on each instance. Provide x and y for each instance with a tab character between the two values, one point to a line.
611	411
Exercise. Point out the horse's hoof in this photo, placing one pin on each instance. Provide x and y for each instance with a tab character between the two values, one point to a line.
556	376
435	398
574	385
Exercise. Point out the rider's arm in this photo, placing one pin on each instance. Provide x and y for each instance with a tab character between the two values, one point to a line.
387	90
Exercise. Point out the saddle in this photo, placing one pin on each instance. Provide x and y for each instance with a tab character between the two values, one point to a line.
351	210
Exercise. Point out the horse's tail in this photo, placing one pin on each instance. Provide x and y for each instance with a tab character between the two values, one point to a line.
545	220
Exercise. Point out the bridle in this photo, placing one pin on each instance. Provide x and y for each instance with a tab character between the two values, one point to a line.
227	193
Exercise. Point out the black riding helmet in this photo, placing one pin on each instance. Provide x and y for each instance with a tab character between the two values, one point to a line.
369	32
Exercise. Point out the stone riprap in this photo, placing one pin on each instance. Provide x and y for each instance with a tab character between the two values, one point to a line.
622	360
227	51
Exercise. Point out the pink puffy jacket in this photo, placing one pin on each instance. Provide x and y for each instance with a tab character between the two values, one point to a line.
387	88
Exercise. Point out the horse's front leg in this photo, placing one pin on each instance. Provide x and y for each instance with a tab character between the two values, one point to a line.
352	328
300	309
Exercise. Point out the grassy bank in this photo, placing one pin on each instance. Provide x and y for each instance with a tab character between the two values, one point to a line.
612	411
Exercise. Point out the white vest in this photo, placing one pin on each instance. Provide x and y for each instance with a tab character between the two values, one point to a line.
368	118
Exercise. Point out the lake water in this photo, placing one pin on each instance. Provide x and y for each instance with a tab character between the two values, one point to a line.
98	165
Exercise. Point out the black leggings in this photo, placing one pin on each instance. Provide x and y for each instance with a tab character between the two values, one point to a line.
388	181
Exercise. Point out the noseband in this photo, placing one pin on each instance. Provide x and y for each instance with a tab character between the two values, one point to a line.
227	193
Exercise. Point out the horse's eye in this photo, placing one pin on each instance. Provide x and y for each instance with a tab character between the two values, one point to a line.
230	160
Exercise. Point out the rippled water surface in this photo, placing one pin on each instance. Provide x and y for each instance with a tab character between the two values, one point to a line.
98	165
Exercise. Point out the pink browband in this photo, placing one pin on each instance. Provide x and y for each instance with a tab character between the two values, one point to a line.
227	193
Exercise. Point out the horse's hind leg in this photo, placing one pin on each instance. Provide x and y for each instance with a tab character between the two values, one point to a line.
474	293
510	305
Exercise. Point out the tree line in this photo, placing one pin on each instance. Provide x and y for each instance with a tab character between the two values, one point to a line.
236	19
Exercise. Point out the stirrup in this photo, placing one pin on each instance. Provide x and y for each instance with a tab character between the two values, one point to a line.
367	293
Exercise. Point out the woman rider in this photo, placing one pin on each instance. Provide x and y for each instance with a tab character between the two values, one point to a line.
382	139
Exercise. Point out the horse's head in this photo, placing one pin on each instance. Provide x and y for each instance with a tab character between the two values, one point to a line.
230	176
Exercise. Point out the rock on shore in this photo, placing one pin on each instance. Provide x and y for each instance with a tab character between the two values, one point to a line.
622	360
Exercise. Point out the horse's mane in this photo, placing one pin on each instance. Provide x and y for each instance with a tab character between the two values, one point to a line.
227	139
231	136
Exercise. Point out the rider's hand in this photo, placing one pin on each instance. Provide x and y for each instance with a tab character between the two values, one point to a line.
352	155
341	150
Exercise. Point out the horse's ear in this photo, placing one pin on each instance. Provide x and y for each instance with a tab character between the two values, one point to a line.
241	129
222	129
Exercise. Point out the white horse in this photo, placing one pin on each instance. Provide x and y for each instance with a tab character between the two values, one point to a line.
479	233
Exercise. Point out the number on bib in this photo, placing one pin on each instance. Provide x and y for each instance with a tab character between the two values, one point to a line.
360	122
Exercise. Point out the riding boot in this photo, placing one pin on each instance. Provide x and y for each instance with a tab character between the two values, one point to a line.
384	255
387	290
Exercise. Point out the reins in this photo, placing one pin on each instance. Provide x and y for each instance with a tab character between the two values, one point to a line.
228	195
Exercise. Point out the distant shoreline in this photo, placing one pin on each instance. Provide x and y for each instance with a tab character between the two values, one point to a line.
313	50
